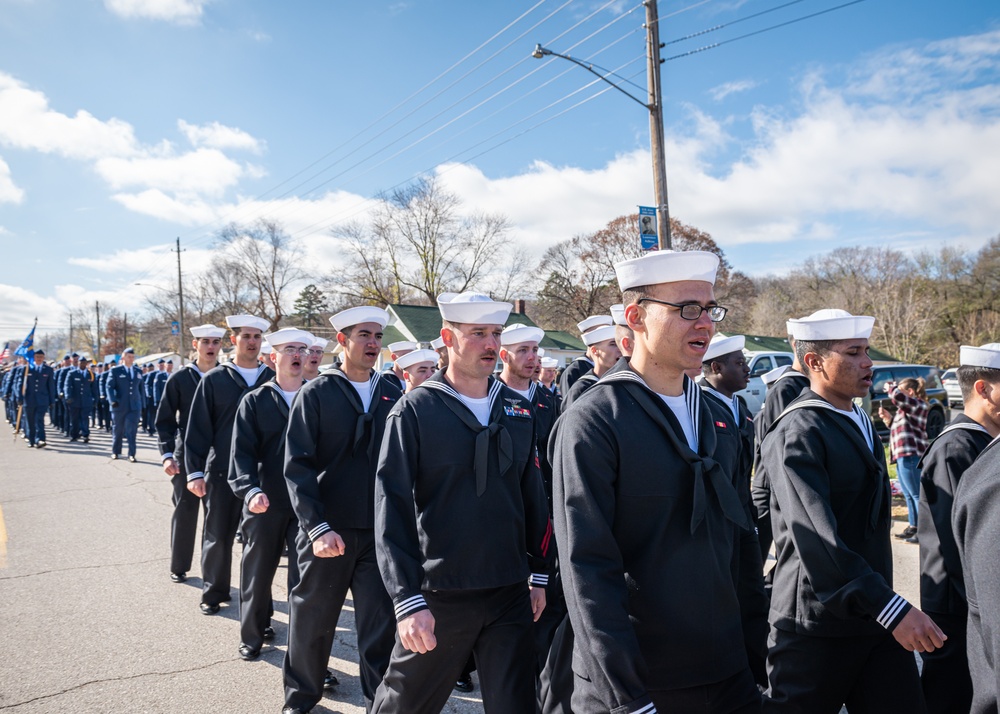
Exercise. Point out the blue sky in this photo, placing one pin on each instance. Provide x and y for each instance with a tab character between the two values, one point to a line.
127	123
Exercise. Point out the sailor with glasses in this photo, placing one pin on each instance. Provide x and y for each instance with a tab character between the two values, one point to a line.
644	489
257	477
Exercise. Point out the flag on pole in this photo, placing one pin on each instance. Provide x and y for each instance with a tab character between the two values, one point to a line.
26	349
5	355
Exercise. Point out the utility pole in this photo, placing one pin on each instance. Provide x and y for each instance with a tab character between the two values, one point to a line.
97	331
656	139
124	331
70	350
180	300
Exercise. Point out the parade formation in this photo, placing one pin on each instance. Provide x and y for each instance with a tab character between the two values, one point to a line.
595	541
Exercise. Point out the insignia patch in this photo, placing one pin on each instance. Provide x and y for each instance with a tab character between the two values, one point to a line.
721	424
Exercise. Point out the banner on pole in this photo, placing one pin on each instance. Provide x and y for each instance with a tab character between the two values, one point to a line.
647	228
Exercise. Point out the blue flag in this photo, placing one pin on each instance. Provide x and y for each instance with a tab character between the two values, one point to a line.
26	349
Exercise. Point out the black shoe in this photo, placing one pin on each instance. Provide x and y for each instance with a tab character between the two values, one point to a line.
86	440
75	438
115	457
131	459
907	532
292	710
464	684
248	653
913	539
330	681
207	609
239	537
40	444
178	577
268	633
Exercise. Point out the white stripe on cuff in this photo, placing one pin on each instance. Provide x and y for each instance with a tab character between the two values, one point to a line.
409	605
196	475
251	493
319	530
891	610
539	580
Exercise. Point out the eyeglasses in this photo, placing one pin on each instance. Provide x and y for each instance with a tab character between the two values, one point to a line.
692	310
317	351
292	351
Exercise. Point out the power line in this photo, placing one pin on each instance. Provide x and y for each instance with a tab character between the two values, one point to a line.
291	211
762	31
734	22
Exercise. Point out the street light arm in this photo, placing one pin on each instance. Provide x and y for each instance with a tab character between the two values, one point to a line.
540	52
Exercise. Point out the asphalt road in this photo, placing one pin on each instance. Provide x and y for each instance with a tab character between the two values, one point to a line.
91	621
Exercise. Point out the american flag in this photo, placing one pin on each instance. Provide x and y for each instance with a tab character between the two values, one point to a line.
5	355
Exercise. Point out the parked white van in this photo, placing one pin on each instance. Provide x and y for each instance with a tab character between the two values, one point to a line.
761	363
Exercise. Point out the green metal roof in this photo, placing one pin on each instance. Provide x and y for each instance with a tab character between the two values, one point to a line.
390	334
559	340
424	323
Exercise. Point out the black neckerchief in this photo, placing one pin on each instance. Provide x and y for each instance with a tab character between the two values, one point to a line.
365	418
453	400
811	400
704	467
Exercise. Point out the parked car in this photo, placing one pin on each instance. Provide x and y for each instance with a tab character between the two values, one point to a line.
761	363
950	381
937	396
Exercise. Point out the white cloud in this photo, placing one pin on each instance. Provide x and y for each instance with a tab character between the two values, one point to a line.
218	136
130	262
200	172
183	12
27	122
9	191
724	90
155	179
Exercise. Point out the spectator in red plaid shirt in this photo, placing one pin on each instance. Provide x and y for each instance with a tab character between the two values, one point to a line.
907	442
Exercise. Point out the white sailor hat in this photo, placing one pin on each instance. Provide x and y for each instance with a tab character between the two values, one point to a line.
416	357
769	378
233	321
594	321
287	335
128	351
667	266
357	315
549	363
985	356
724	345
320	342
599	335
207	330
618	314
403	345
516	334
831	324
438	343
473	309
541	352
265	347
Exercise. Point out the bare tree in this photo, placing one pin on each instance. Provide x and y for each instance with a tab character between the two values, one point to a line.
579	275
261	259
418	245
